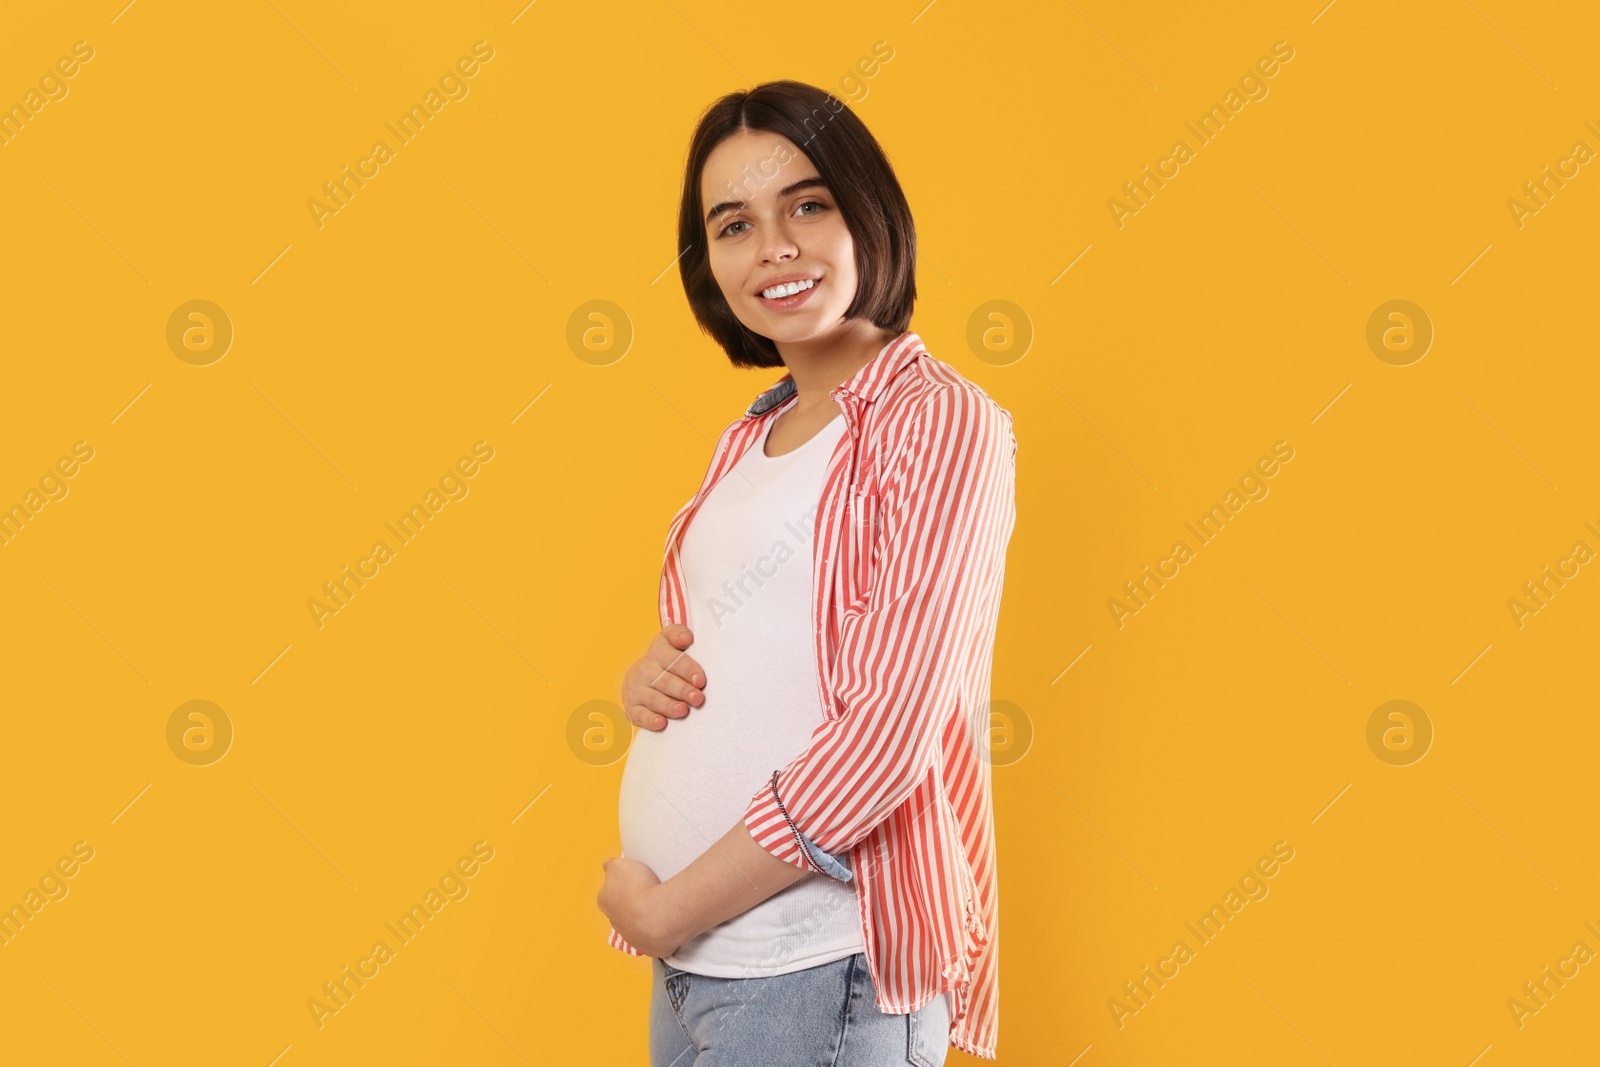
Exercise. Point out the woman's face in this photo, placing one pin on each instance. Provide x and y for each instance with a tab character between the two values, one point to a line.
772	220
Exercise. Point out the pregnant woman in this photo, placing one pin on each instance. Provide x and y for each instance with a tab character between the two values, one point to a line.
828	601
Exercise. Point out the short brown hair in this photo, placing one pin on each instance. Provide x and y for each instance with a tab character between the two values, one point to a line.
858	175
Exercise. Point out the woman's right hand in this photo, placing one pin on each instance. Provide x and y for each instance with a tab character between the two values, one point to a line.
664	681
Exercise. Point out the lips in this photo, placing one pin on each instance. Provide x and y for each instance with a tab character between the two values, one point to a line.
794	300
784	279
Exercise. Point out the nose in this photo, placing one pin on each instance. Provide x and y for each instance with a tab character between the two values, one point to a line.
779	246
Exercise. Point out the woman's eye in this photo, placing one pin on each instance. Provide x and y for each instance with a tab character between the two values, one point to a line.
729	231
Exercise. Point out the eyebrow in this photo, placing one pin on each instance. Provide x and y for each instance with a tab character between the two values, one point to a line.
734	205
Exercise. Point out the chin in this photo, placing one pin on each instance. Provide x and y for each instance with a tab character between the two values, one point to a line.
810	323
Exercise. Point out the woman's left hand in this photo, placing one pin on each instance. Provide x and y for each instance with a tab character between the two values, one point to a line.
630	898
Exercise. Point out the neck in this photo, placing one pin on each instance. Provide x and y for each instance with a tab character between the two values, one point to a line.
819	364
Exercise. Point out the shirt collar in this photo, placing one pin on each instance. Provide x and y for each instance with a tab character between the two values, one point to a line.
867	383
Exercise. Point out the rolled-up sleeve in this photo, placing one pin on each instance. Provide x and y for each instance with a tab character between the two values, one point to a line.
944	517
615	940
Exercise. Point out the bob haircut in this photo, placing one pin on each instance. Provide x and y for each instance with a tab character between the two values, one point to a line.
859	178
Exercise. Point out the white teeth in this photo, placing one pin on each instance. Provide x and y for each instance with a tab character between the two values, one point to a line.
777	292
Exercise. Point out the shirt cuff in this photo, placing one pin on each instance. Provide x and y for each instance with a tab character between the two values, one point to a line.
615	940
769	824
830	864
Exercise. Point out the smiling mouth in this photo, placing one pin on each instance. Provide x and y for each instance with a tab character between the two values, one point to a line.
788	291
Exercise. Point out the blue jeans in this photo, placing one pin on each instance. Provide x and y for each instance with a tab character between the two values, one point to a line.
823	1016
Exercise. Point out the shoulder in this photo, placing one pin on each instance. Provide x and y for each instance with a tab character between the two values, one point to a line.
931	406
734	434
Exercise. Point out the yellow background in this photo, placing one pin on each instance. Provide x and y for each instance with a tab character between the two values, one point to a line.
437	707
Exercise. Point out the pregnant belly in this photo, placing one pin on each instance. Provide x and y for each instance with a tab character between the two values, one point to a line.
684	787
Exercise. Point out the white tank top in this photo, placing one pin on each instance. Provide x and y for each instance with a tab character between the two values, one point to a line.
747	565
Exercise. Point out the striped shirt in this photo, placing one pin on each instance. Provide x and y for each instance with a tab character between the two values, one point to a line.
917	508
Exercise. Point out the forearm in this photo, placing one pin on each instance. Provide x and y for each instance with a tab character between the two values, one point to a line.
731	877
